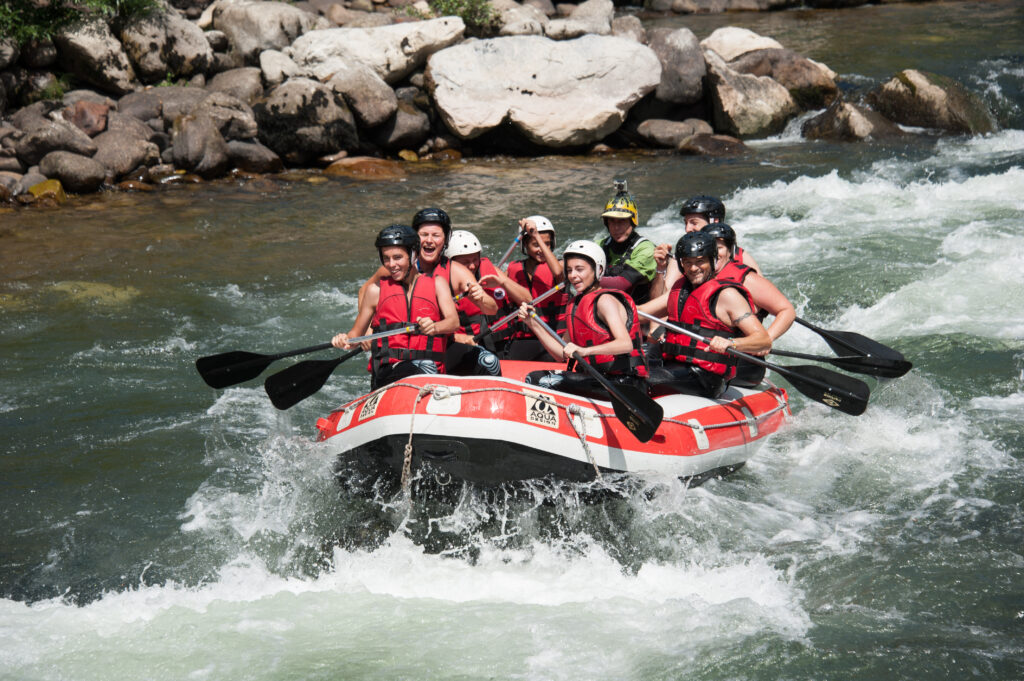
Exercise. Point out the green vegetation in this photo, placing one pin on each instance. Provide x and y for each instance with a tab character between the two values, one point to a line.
26	20
478	15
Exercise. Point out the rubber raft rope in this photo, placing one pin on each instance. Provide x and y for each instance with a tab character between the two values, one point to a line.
444	391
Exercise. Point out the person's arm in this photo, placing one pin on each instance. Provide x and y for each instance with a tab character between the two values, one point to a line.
657	307
449	315
551	345
381	273
613	314
662	258
517	292
732	309
770	299
465	283
366	309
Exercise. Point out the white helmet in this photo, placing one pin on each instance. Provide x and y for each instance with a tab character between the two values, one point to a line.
543	225
462	242
590	251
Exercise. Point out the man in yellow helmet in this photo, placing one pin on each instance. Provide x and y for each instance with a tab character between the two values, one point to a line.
631	264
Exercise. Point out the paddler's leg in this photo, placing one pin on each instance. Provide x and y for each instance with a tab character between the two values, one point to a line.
461	359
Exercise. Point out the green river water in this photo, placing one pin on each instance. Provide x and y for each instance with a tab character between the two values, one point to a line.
155	529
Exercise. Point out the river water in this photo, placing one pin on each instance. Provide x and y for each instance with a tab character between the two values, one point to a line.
155	529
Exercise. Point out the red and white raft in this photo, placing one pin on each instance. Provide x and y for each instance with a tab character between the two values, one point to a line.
494	430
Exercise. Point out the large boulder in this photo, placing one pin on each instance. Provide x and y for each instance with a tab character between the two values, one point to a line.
162	44
199	147
370	98
811	85
516	19
731	42
233	117
393	52
593	17
277	67
57	135
253	157
407	129
671	134
163	103
929	100
845	122
252	27
122	153
90	51
682	65
746	106
245	83
77	173
557	94
9	53
302	120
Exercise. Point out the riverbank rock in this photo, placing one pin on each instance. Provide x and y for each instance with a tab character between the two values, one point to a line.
199	147
593	17
810	85
252	27
743	105
303	119
929	100
165	44
557	94
392	52
54	135
78	174
845	122
253	157
370	98
89	117
233	117
732	42
244	83
671	134
121	151
90	51
704	144
517	19
682	65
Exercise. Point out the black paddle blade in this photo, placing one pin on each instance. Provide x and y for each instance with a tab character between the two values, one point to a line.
845	393
637	411
873	366
232	368
842	342
289	387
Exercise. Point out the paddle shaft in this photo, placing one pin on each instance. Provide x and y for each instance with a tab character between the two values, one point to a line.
822	385
231	368
504	258
511	315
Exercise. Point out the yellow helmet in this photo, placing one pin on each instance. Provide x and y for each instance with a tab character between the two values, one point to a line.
622	205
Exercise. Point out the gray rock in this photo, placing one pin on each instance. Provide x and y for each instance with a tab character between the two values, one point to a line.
408	129
36	115
746	106
77	173
731	42
9	53
38	54
682	65
302	120
73	97
233	117
253	157
810	85
252	27
11	164
199	148
165	103
393	52
10	184
90	51
31	178
120	154
162	44
929	100
370	98
355	18
58	135
845	122
593	17
128	126
670	134
277	67
516	19
629	27
245	84
545	6
703	144
217	40
598	80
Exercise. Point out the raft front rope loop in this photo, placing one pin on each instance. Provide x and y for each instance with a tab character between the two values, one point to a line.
581	433
407	461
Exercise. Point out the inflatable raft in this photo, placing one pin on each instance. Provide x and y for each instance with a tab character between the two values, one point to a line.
493	430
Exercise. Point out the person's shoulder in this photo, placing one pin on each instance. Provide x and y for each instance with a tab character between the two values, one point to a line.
644	246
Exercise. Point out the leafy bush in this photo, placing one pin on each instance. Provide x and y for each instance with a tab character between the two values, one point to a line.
25	20
478	15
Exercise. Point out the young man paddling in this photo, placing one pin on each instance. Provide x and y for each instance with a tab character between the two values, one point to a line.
602	326
720	310
404	296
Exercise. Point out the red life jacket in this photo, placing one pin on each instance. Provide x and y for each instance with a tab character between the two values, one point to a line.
694	312
551	310
737	255
738	272
472	320
586	329
395	310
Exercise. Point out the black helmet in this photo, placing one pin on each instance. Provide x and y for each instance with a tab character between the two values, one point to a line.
696	245
433	215
398	235
709	206
721	230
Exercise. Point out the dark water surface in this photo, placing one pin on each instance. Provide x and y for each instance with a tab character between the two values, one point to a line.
153	528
